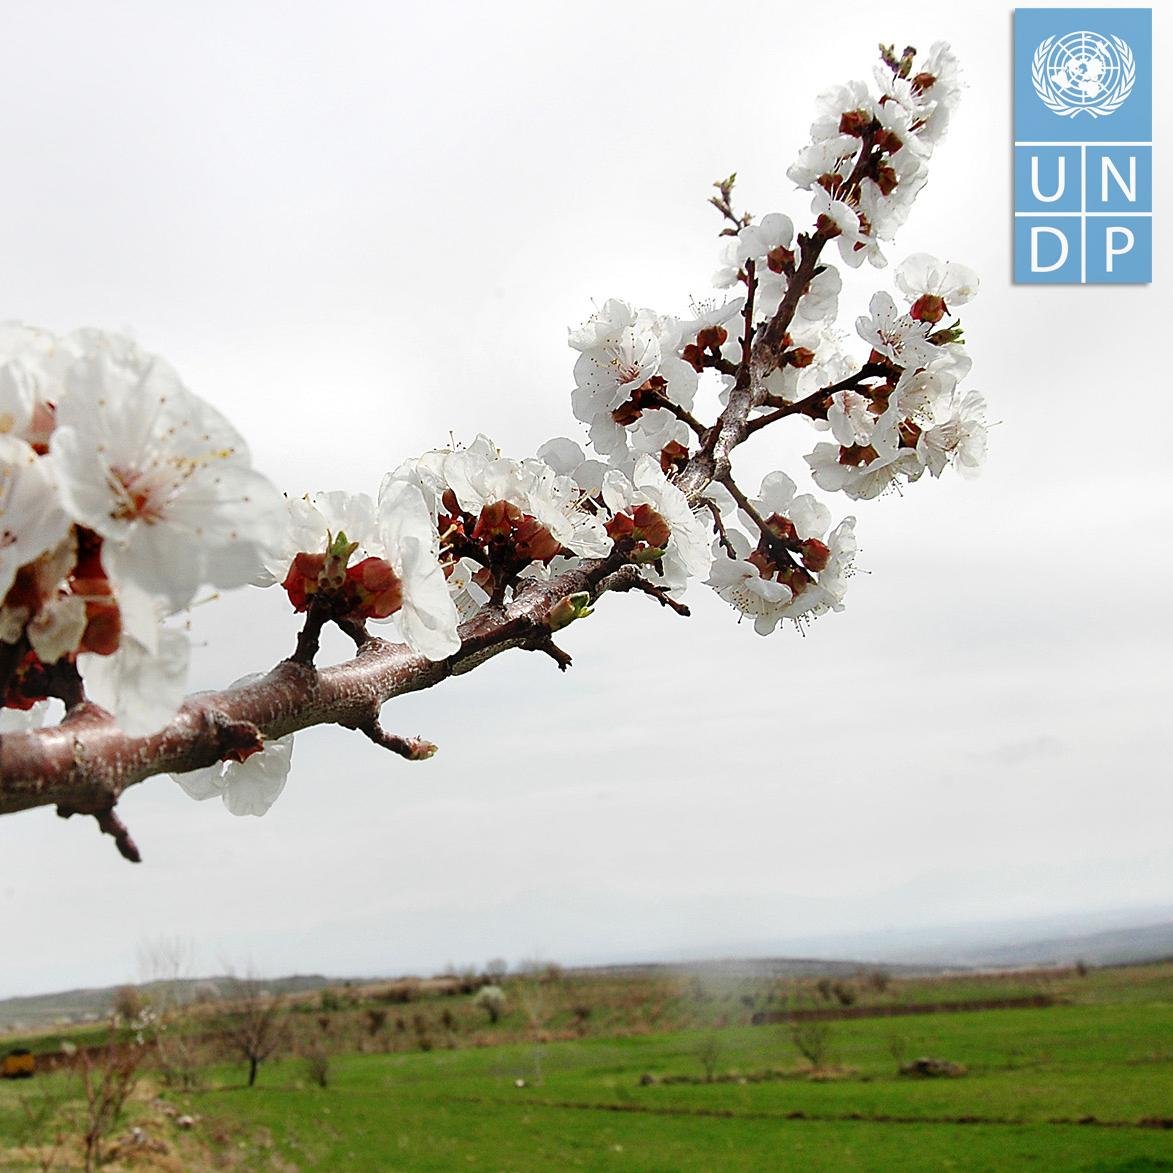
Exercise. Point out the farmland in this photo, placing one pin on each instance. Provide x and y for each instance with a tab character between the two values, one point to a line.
659	1071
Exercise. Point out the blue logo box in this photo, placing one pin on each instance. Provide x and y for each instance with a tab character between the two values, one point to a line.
1083	145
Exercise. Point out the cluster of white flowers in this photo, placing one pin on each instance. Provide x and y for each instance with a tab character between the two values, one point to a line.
121	495
797	569
917	418
869	151
389	568
629	365
892	413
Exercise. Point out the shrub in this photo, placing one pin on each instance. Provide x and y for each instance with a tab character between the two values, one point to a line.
844	993
491	999
317	1064
709	1051
812	1039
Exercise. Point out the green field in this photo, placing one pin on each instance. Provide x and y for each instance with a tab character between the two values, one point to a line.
1063	1087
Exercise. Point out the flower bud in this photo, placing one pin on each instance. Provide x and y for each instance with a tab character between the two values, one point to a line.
568	609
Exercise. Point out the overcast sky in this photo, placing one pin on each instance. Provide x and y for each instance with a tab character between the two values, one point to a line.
358	228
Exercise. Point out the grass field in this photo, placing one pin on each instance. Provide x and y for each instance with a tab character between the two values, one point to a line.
1063	1087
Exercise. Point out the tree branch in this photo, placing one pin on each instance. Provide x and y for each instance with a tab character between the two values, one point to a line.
87	762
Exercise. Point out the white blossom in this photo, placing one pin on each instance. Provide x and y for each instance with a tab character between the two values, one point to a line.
622	348
313	521
246	788
142	683
741	583
32	519
960	438
742	586
870	477
756	242
479	476
57	628
921	274
687	553
851	418
427	619
32	371
160	474
777	496
896	335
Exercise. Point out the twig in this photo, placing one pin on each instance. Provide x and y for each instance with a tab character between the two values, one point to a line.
310	636
751	286
682	414
414	749
745	505
811	402
630	579
719	527
109	824
543	643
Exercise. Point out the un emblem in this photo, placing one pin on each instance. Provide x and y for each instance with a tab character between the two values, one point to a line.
1083	73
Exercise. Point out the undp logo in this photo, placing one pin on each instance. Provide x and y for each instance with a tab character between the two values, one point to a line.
1083	150
1083	73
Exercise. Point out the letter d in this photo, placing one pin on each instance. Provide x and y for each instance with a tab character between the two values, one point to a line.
1035	233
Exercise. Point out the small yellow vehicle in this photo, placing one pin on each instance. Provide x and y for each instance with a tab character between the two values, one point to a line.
20	1063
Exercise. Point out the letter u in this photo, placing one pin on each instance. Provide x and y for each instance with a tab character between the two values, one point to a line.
1060	181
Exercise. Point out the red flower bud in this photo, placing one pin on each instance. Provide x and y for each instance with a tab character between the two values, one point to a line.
534	542
301	583
815	555
375	589
496	520
782	528
103	632
712	338
780	260
694	356
855	122
673	455
928	308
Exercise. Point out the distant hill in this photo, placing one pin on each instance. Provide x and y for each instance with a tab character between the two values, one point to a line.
38	1012
903	953
1110	947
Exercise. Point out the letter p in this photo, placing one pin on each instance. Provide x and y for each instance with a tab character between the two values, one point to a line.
1111	250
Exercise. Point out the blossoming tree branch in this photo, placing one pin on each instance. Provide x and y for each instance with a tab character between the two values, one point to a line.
123	496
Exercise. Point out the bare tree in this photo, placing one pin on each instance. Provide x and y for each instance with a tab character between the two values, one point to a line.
166	964
256	1026
533	995
316	1058
109	1075
812	1039
709	1051
40	1128
128	1004
495	970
